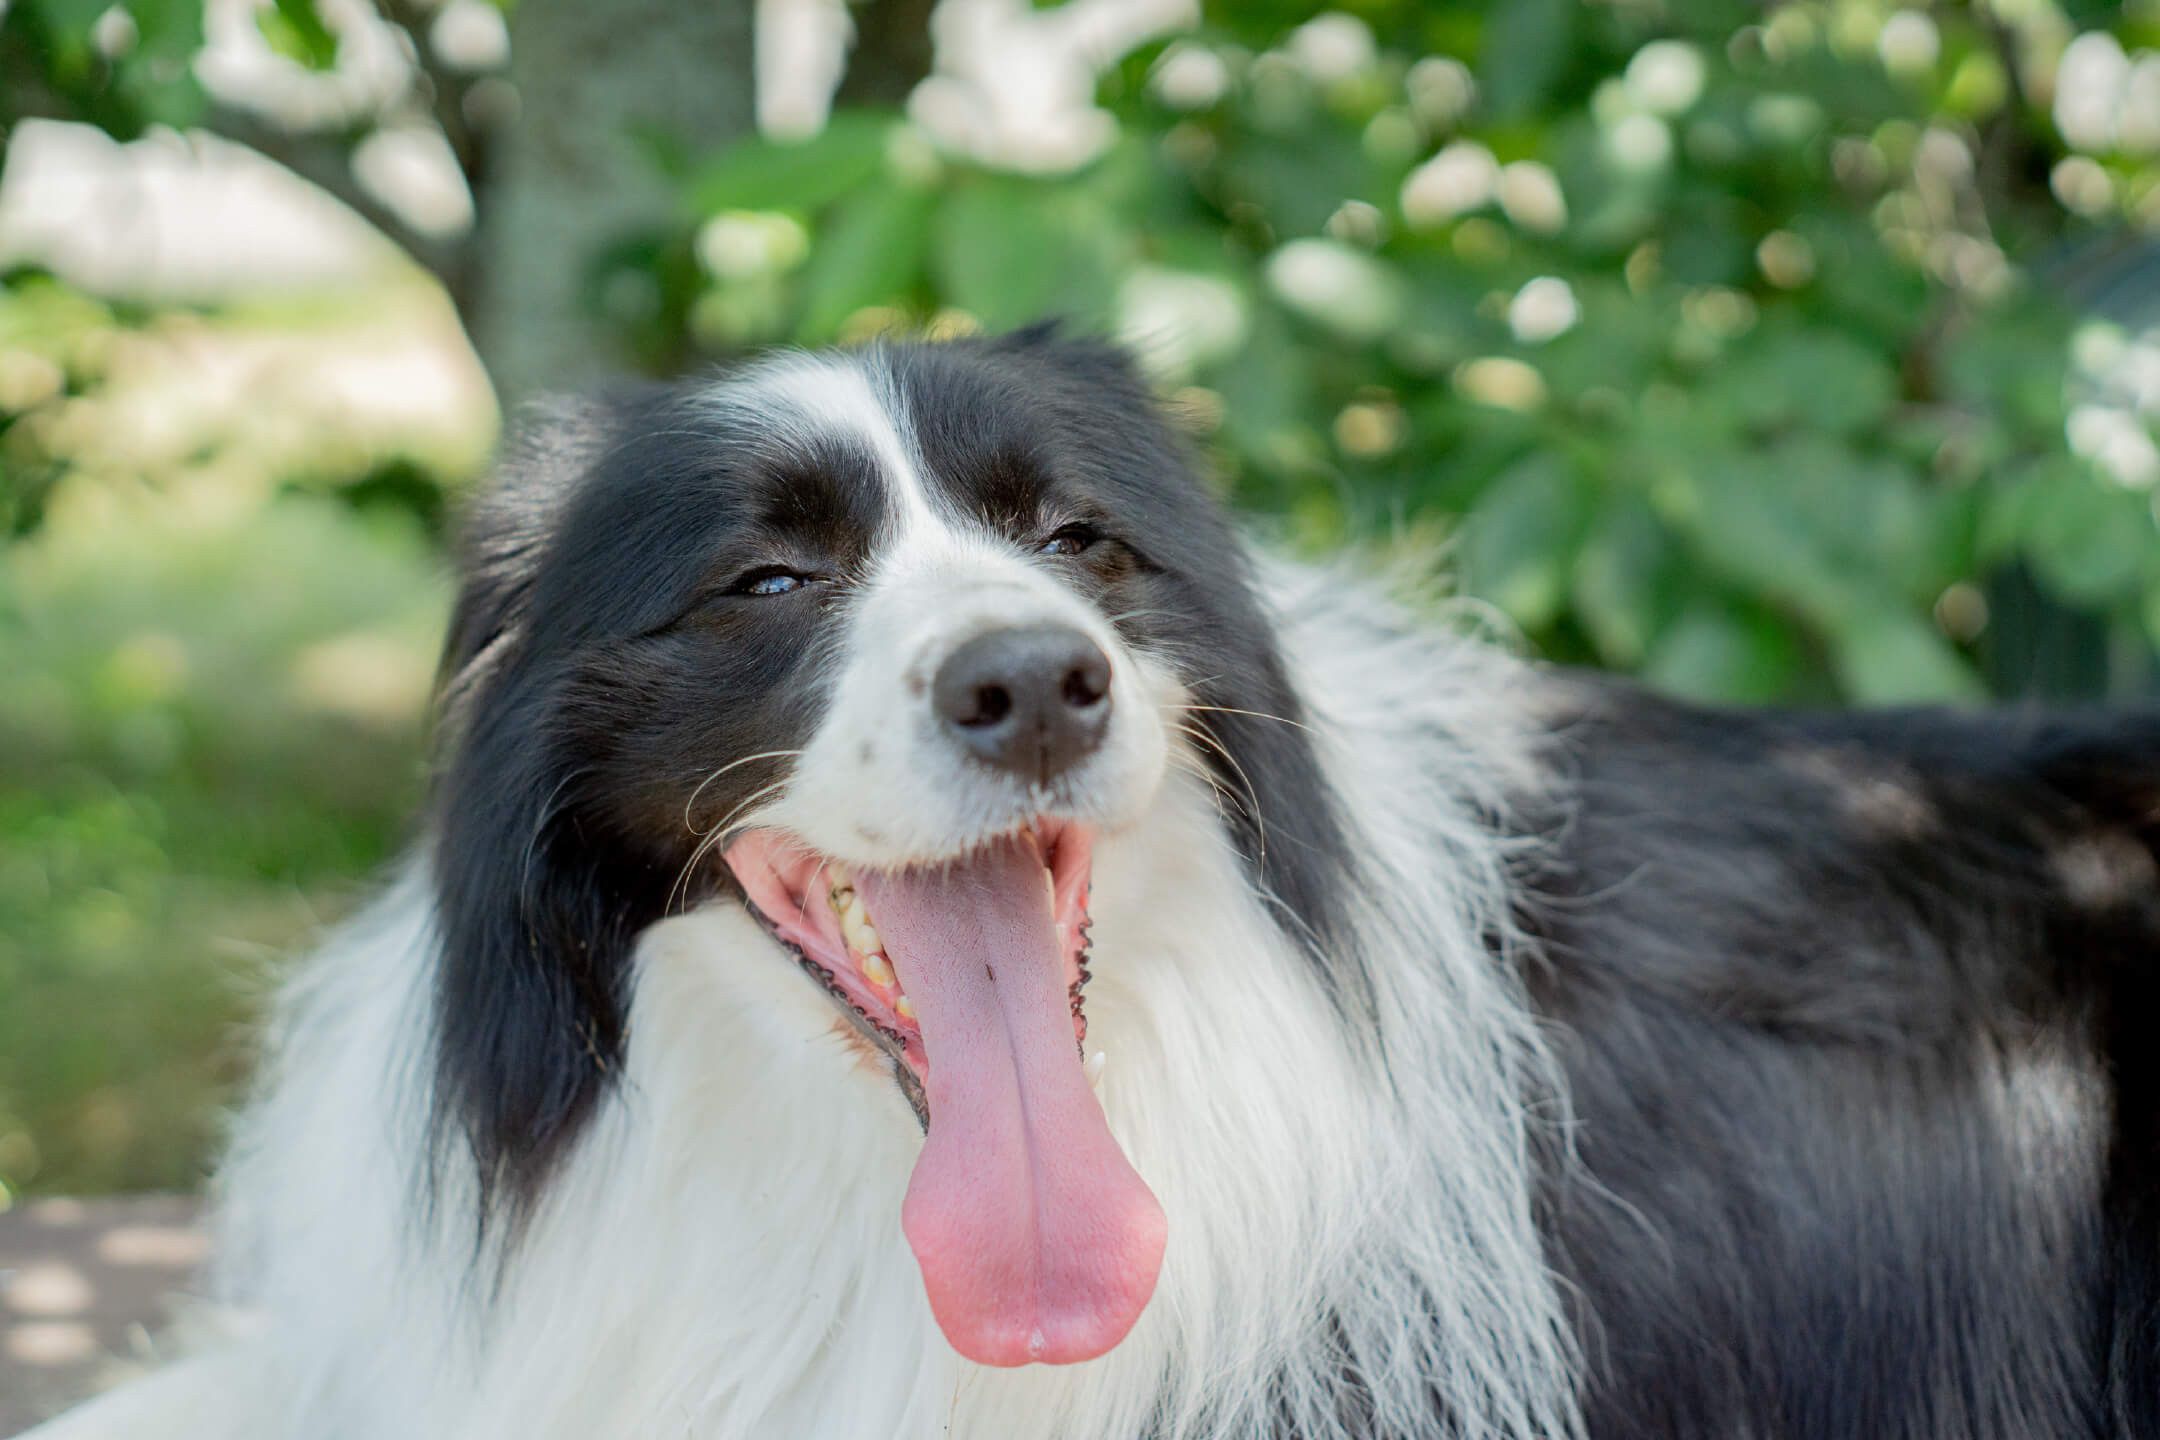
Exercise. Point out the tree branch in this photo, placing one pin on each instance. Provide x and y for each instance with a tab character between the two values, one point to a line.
324	159
891	55
443	89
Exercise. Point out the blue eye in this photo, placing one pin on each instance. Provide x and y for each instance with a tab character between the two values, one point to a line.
1071	540
773	582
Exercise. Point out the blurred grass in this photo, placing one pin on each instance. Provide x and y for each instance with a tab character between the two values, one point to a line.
208	729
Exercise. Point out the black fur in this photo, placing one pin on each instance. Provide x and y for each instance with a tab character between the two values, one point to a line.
1852	1009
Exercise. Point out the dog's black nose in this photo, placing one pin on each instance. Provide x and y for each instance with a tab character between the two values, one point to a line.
1033	699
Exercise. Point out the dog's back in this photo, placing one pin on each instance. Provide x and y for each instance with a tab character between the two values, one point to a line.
1856	1013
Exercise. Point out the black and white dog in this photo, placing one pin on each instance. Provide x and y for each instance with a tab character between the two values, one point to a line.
908	896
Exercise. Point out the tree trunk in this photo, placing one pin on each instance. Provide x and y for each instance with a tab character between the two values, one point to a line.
601	88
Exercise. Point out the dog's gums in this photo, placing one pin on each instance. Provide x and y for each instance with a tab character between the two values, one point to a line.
1036	1239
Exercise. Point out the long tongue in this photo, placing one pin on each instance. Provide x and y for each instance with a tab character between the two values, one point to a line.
1037	1240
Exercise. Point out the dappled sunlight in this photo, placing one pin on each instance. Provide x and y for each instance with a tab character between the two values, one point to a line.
220	410
48	1344
47	1288
81	1286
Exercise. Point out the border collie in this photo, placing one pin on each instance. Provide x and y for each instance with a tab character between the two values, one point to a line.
920	934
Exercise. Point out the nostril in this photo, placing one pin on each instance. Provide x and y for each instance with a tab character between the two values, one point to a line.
992	703
1085	685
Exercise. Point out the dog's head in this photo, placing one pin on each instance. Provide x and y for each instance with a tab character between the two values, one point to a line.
879	644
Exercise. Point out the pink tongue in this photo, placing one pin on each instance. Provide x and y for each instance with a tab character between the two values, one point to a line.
1037	1240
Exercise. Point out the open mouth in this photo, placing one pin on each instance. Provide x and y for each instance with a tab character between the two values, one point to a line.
1036	1238
818	909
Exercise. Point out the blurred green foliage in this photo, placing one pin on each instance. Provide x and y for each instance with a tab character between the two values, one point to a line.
1710	332
204	737
121	68
218	619
1749	348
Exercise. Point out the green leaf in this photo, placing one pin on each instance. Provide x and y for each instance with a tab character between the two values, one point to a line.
169	29
1624	584
1525	54
1887	656
1519	544
295	31
1704	240
1299	180
1009	251
1744	526
1726	651
72	19
2012	368
159	97
2089	541
1813	376
996	258
869	250
2005	510
1869	515
804	175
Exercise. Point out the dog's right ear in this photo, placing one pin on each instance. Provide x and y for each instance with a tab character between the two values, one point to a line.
506	528
534	919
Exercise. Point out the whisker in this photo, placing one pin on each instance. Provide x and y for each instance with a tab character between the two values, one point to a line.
1214	787
688	824
1256	714
1260	891
1251	804
711	839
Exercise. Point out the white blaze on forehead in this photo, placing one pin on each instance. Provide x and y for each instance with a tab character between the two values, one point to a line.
851	398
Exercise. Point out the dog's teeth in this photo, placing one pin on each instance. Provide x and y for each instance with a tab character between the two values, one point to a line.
878	969
903	1008
1093	1068
855	927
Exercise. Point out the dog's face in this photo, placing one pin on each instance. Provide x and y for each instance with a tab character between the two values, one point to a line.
880	645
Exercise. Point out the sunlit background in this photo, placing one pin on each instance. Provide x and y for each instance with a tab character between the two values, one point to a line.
1797	352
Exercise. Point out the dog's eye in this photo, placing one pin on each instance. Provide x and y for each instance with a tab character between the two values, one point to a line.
770	581
1071	540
